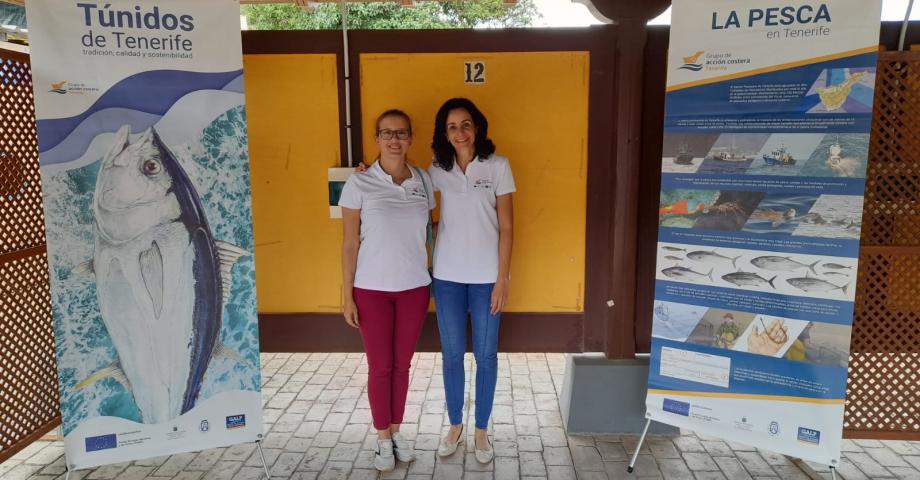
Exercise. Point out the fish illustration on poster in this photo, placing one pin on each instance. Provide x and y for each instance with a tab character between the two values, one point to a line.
766	134
145	176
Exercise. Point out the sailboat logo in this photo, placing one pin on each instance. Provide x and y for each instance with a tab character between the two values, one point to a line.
692	62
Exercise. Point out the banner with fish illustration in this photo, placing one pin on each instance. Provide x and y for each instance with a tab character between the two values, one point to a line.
766	139
145	175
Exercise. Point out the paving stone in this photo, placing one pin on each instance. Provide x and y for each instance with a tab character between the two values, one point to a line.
276	440
363	474
424	463
732	468
580	440
200	475
526	425
271	454
174	465
468	475
532	464
886	457
905	473
205	460
868	443
47	455
688	444
504	433
344	452
700	461
612	451
107	472
326	439
755	464
314	459
286	463
506	449
553	437
790	472
867	464
674	469
587	459
296	444
444	471
662	448
335	422
507	468
557	456
850	446
717	448
239	452
774	458
335	471
709	476
30	450
225	470
529	443
308	429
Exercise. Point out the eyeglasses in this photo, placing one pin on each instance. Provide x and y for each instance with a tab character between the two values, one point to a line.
402	134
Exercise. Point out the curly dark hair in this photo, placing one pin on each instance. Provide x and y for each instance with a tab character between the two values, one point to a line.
444	153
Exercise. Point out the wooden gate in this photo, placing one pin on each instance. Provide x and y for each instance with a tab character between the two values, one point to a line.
29	405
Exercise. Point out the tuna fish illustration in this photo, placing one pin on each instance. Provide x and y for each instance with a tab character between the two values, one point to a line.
673	249
161	277
685	274
672	257
812	284
781	264
711	256
836	266
837	274
745	279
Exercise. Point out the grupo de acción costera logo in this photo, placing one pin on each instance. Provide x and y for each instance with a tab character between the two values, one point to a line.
144	32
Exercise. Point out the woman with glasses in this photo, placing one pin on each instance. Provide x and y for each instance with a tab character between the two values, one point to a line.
472	260
385	215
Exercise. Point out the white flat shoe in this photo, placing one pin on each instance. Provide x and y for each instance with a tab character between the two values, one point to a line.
447	448
484	456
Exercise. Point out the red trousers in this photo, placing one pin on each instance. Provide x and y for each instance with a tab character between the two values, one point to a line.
390	324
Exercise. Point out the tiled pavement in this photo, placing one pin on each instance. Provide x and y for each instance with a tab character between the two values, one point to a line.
318	425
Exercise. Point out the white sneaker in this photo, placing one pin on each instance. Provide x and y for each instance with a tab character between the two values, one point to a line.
447	448
384	460
486	455
402	448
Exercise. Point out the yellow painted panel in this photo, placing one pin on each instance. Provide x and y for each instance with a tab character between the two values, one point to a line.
537	106
293	115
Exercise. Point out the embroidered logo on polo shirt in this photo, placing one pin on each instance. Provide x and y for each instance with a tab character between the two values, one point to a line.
483	183
416	191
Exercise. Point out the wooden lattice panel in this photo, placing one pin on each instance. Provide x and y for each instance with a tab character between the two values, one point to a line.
28	375
892	208
21	219
29	404
883	393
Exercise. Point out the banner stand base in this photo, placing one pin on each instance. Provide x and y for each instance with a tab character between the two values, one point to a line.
811	471
635	455
797	461
262	456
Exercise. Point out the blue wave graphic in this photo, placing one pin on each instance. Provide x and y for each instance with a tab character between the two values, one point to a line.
152	92
692	66
108	120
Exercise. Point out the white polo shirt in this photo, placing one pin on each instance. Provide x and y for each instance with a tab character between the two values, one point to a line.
394	220
467	243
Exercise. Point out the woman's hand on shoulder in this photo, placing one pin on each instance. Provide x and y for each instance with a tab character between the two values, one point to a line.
361	168
351	313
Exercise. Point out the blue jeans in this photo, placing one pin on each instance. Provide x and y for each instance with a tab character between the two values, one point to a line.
453	301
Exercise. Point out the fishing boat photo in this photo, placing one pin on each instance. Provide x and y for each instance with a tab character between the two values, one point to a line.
780	156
